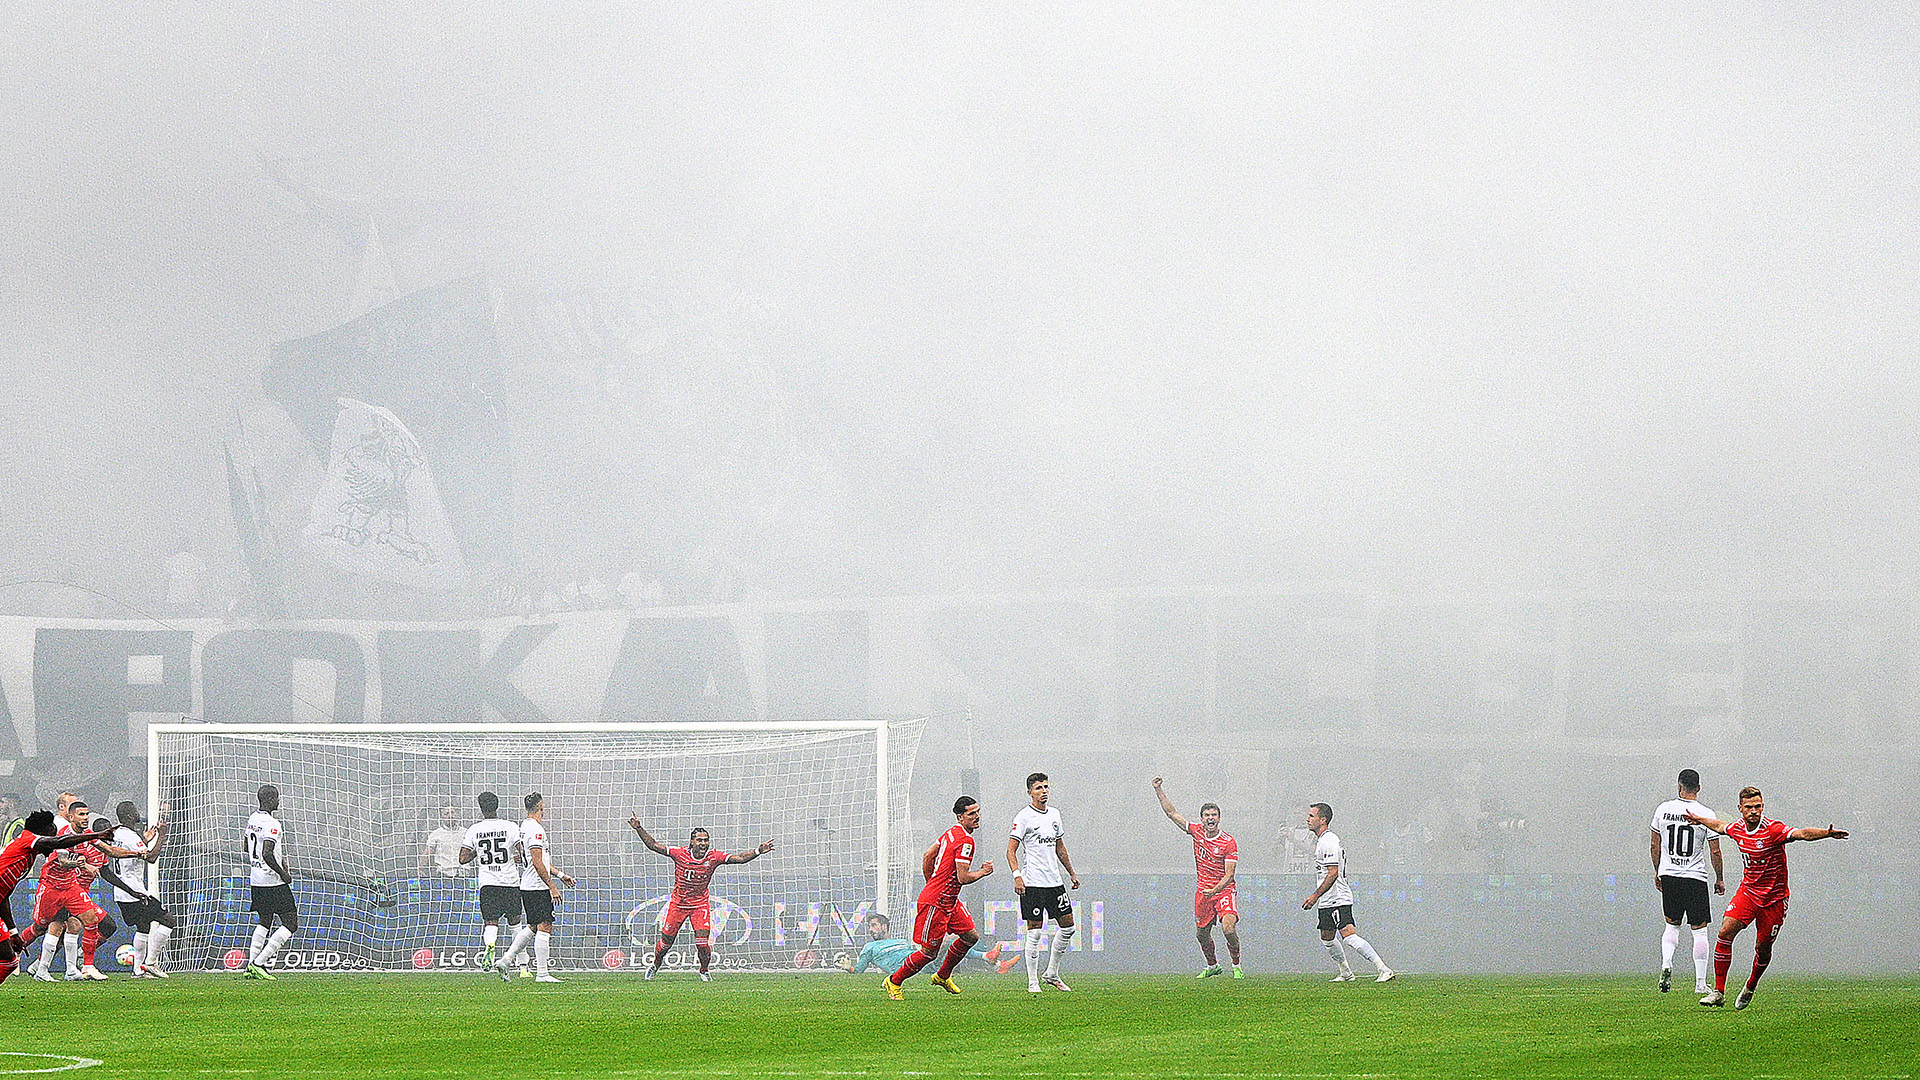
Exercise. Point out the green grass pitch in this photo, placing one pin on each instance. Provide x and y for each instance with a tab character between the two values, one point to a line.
1542	1028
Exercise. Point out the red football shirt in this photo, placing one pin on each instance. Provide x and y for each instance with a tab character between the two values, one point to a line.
1210	854
92	860
15	860
55	876
1765	852
943	888
692	876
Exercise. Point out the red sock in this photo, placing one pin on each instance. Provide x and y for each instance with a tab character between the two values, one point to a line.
706	954
954	955
660	950
90	942
1233	951
1722	960
1762	956
915	961
1206	950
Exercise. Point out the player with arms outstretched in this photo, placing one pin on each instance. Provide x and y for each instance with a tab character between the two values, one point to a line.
271	881
693	868
38	836
1762	895
1216	856
947	866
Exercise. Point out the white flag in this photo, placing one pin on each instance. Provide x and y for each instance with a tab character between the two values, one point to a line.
378	512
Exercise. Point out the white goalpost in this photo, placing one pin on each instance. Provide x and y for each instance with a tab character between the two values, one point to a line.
358	802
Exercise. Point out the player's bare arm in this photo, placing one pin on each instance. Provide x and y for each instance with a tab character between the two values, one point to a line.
467	855
1656	861
739	857
48	844
1712	823
546	875
270	854
1226	878
926	861
1333	875
1818	834
646	837
1166	805
965	874
1066	861
1719	872
1013	865
113	879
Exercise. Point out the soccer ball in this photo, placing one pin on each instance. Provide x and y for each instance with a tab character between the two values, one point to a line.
124	954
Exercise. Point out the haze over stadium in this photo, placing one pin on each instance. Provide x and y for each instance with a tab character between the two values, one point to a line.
1465	419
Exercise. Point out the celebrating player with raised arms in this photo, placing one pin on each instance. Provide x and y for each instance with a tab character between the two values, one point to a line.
1216	856
1762	895
493	843
693	868
948	865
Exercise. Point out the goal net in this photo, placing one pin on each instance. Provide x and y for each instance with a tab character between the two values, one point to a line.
359	804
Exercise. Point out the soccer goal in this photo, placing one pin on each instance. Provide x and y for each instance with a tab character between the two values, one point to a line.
359	802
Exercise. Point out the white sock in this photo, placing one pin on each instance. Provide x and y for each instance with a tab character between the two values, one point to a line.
139	950
279	938
49	946
156	944
1360	946
73	953
1032	949
489	934
1062	940
522	937
1334	951
1702	953
1668	939
259	944
542	942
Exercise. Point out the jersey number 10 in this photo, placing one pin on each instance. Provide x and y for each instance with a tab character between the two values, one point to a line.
1680	841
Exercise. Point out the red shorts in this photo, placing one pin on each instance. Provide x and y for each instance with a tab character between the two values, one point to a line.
1210	910
1765	917
701	914
932	923
74	899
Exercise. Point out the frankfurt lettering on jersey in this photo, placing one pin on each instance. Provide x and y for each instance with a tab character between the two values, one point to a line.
943	888
692	876
1765	852
493	841
1683	845
1210	854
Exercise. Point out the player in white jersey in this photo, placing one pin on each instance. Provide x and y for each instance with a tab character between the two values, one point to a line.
493	843
134	849
1037	854
272	884
540	884
1680	853
1334	898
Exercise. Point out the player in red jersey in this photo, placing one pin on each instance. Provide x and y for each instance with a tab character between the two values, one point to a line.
1762	895
36	838
947	865
63	896
1215	858
693	868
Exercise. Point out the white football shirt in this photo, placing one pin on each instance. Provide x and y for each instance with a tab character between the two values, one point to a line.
532	835
1037	833
1683	845
262	827
492	840
1330	852
132	869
